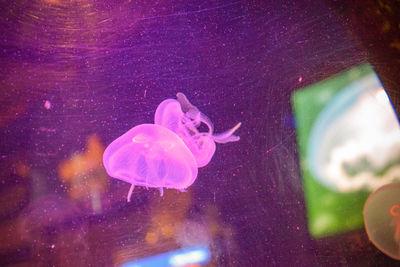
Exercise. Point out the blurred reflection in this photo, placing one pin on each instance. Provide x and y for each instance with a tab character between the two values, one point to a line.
349	139
45	224
15	193
167	215
171	220
84	174
175	223
188	257
206	229
395	211
355	142
73	245
191	232
12	200
381	217
22	169
45	212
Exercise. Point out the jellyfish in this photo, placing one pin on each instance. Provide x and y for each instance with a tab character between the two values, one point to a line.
183	118
382	219
166	154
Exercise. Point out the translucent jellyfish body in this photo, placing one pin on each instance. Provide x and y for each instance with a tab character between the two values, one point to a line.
153	156
382	219
167	153
355	141
181	117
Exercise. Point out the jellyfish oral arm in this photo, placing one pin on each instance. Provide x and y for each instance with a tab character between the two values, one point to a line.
204	119
185	103
193	113
227	136
196	117
201	144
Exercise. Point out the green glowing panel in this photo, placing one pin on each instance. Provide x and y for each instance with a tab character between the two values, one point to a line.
329	211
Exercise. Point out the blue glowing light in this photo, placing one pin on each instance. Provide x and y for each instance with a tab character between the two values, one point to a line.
181	257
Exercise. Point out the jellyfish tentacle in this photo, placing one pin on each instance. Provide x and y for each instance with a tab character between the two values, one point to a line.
195	123
161	191
227	136
130	193
192	119
162	187
204	119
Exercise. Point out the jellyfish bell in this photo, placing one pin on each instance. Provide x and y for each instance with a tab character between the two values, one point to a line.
183	118
382	219
169	114
151	155
167	153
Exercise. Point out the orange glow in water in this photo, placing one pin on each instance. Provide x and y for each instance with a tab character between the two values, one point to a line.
395	210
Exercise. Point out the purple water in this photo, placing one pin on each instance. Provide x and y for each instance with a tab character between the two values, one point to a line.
76	75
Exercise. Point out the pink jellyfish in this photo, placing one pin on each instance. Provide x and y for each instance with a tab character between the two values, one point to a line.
167	153
181	117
